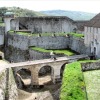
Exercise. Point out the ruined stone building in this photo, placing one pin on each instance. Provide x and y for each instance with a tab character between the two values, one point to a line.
47	24
92	35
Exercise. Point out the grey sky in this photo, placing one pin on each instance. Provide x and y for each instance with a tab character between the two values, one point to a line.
38	5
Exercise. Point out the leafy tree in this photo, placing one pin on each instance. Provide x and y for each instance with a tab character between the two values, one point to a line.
2	12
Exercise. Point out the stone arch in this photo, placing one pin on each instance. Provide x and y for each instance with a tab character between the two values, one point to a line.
23	77
46	72
62	69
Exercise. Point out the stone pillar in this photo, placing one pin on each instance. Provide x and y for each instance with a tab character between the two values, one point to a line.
34	75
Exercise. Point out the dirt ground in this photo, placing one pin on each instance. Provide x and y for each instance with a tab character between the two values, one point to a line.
49	91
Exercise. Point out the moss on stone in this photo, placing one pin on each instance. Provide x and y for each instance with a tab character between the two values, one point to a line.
76	35
38	34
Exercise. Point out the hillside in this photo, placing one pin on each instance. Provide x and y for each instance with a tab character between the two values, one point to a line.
20	12
75	15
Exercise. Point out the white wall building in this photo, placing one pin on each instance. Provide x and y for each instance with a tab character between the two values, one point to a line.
92	35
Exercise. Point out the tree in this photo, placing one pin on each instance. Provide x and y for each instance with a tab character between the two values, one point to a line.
2	11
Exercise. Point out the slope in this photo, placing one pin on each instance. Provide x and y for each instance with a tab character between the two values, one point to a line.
75	15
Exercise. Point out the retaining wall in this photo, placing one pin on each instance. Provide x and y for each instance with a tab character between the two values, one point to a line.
18	46
77	44
90	66
8	88
48	42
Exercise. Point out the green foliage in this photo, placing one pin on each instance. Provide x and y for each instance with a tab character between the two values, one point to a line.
73	86
65	51
37	34
2	11
40	49
85	61
20	12
2	24
76	35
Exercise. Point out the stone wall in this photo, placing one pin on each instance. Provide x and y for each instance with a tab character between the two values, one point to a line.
90	66
36	55
48	24
77	44
13	54
2	31
8	88
18	46
18	41
48	42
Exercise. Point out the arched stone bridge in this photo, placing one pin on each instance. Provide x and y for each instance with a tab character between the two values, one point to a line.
35	66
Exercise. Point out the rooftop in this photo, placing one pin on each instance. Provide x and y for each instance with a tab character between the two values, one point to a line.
94	22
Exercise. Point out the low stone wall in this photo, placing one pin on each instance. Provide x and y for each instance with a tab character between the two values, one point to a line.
8	88
36	55
90	66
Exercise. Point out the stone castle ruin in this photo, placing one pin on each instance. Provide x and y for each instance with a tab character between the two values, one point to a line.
16	47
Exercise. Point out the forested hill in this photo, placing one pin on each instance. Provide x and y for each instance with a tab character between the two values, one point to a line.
20	12
75	15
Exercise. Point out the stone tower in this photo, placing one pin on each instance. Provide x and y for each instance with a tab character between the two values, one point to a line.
7	17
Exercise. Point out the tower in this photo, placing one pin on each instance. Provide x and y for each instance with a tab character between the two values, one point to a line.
7	17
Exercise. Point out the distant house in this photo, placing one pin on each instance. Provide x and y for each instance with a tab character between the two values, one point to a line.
92	35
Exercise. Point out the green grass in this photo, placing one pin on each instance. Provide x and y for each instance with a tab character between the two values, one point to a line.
40	49
23	33
2	24
73	86
36	34
50	34
92	80
85	61
76	35
65	52
0	19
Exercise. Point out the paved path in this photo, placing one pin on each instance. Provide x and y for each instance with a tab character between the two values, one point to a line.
9	65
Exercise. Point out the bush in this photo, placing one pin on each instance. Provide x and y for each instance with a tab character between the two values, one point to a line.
73	86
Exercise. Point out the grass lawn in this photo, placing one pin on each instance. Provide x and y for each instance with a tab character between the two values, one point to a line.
76	35
66	52
36	34
2	24
92	80
73	86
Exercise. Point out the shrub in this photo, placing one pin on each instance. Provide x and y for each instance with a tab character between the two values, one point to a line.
73	86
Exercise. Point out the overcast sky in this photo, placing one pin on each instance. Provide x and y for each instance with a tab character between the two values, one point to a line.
39	5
